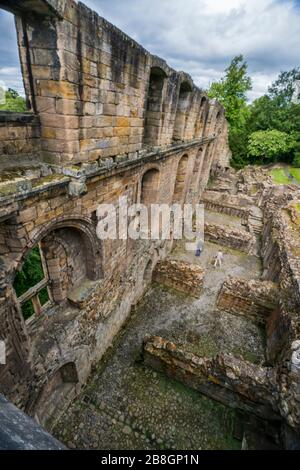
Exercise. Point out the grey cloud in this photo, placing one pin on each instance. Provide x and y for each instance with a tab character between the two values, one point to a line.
201	37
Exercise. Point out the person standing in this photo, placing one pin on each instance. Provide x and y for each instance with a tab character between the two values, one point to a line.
199	249
218	259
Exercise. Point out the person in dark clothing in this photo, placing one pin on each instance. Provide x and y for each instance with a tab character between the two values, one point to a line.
199	249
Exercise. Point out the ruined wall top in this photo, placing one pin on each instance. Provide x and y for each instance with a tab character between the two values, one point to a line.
94	94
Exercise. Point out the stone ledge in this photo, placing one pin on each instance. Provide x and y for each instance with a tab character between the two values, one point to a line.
19	432
81	294
21	118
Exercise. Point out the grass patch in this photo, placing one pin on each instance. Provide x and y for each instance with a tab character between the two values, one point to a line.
279	176
295	172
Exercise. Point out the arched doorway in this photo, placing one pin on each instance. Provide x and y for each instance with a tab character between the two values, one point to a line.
180	181
150	187
154	106
181	112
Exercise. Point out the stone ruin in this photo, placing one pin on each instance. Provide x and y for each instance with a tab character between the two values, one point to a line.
107	119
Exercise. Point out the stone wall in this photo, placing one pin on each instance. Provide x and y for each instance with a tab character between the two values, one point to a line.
231	381
180	275
281	245
254	299
95	89
100	124
227	204
19	139
231	238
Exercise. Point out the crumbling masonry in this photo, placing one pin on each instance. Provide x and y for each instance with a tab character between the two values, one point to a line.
105	119
108	119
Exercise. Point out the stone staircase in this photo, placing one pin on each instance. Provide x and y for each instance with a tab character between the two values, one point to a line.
255	220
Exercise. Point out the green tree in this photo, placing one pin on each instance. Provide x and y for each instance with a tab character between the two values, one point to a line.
13	102
269	146
283	87
231	92
276	111
272	111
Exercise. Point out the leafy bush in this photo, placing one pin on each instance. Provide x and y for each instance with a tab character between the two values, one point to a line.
13	102
269	146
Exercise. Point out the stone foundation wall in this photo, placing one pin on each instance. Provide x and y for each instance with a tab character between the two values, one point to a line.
280	249
179	275
232	381
226	204
236	239
254	299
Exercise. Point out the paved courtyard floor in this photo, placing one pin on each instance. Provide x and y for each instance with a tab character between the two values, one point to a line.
126	405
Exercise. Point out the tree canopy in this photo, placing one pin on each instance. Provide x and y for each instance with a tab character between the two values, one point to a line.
270	125
13	102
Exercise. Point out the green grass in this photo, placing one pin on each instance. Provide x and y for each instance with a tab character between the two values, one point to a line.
295	172
279	176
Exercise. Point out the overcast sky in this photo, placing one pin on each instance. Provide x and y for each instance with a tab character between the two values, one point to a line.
197	36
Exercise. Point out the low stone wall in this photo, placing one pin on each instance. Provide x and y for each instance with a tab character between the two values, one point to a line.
179	275
227	204
233	382
223	235
19	139
254	299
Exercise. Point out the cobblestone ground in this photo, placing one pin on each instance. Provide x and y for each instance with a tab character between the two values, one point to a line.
129	406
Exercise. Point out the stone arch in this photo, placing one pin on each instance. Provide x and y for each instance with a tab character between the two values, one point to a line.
197	170
181	177
87	230
148	271
205	168
154	106
181	111
70	253
150	186
217	121
202	117
57	393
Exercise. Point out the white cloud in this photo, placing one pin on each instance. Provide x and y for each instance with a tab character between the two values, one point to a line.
197	36
202	36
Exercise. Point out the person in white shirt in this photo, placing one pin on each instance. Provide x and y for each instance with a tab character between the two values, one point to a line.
218	259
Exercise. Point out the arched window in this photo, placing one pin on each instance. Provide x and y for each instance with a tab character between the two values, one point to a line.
12	96
31	284
181	112
180	179
59	263
154	106
150	186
